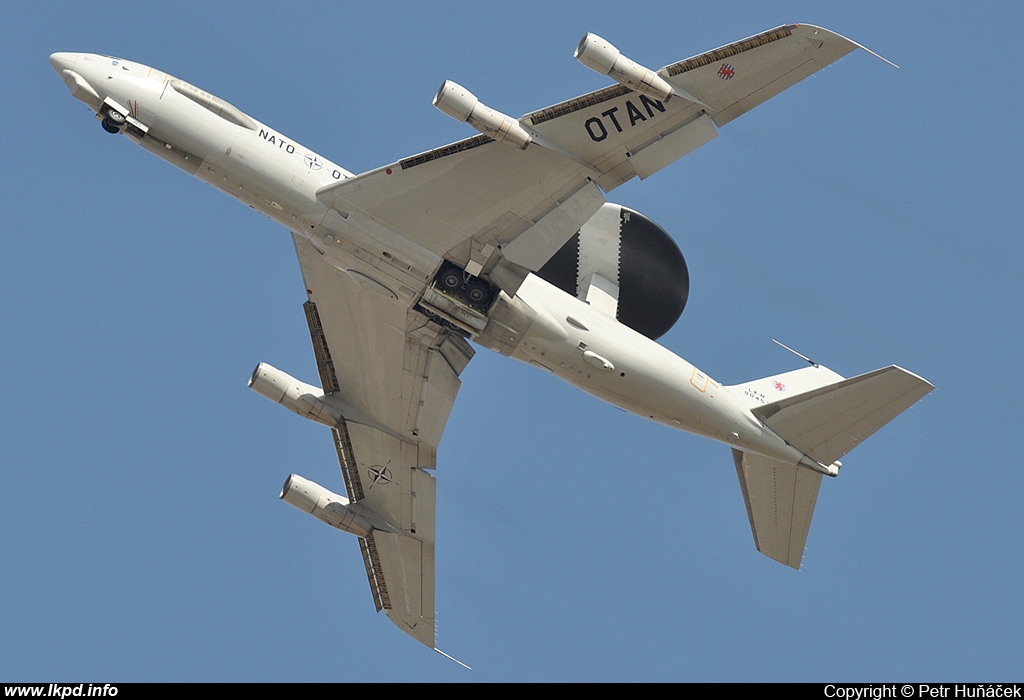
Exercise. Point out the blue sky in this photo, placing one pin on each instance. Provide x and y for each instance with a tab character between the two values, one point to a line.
867	216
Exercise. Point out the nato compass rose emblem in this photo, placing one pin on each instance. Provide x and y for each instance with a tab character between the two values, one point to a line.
726	71
312	162
379	474
779	385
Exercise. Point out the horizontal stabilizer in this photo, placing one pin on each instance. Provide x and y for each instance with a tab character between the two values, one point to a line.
828	422
780	501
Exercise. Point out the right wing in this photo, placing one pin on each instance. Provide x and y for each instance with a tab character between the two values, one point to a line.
478	202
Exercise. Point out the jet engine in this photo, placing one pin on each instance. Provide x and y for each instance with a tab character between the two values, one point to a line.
637	257
335	510
597	54
459	103
298	397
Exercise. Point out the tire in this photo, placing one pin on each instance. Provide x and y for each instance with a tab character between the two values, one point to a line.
478	293
115	117
450	280
110	127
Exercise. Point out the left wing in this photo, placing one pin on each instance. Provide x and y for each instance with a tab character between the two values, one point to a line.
485	205
401	372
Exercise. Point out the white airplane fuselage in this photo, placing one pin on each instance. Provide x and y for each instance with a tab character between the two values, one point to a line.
278	177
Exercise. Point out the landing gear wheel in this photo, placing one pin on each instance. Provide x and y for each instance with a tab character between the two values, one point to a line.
477	292
113	122
451	280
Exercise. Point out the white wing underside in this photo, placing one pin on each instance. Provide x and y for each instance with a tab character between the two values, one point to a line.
393	366
456	200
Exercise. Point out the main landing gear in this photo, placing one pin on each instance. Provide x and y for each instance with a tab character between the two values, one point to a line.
461	285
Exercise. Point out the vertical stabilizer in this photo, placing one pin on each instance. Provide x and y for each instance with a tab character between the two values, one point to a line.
781	386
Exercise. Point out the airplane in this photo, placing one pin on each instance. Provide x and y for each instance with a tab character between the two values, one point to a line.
505	239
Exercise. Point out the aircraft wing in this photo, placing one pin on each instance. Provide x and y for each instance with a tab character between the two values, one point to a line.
478	202
402	374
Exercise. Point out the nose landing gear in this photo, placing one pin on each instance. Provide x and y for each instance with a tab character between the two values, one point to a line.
113	122
115	119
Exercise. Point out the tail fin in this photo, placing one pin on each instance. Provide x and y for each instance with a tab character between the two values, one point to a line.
761	391
824	422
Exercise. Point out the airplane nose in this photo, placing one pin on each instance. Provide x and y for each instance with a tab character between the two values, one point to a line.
62	61
64	64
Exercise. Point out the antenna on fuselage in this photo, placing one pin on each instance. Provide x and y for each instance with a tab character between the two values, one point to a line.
802	357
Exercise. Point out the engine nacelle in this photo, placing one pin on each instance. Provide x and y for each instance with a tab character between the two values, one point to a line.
327	506
599	55
298	397
459	103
